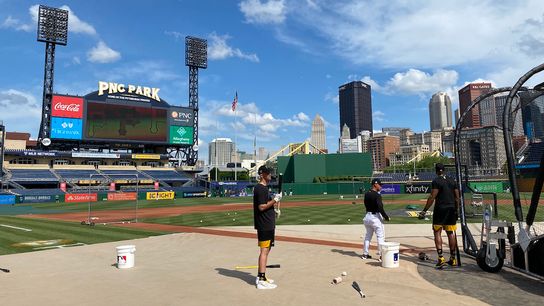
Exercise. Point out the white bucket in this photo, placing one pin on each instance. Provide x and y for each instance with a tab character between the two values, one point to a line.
390	254
125	256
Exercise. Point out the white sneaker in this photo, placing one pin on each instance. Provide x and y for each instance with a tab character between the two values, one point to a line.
268	280
265	285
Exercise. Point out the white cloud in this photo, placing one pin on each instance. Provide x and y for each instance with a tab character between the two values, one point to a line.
302	117
75	25
269	12
218	49
101	53
176	35
501	41
378	116
332	97
13	23
21	111
416	82
151	71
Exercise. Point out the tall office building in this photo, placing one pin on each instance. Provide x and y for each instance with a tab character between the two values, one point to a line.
533	116
456	117
482	150
381	147
318	135
440	111
468	94
220	151
262	154
355	107
492	109
345	132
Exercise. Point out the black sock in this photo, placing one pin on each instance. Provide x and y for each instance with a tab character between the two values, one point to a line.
261	276
452	253
439	251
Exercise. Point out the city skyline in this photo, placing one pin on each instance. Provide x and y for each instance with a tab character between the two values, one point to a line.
287	76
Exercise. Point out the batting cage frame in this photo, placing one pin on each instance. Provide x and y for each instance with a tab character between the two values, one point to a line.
493	252
110	178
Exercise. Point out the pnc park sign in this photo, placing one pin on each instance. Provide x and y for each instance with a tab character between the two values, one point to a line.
116	88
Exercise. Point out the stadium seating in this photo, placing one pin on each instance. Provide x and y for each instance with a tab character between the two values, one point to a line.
534	152
32	175
168	175
26	192
75	175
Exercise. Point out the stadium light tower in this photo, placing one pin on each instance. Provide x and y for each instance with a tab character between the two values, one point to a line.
53	30
196	56
2	140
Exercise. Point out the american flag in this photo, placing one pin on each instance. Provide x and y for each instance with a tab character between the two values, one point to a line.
235	101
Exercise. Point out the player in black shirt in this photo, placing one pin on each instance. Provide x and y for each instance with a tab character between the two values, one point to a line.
264	217
374	217
445	195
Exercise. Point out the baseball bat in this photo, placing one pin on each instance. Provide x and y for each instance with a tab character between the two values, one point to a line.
255	267
355	286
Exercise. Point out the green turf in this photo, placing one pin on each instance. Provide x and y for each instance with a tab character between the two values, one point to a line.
67	232
334	214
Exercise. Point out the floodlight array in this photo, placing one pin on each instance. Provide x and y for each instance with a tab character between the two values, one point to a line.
196	52
52	25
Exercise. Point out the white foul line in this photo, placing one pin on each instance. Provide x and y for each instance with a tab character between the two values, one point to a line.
15	227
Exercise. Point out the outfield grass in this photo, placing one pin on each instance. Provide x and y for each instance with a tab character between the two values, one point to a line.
47	233
334	214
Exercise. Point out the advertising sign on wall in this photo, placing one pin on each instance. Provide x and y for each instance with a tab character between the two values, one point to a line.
122	196
37	198
181	116
486	186
67	107
194	194
146	156
7	199
181	135
164	195
66	128
80	197
417	188
390	189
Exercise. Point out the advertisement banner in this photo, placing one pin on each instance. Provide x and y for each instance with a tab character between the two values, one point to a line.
7	199
181	116
112	186
95	155
194	194
80	197
390	189
181	135
164	195
66	128
37	153
37	198
156	184
63	186
67	107
122	196
486	186
146	156
417	188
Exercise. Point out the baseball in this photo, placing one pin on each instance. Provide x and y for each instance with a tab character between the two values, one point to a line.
233	219
344	273
349	220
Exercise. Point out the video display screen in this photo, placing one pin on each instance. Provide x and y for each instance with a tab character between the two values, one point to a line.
126	122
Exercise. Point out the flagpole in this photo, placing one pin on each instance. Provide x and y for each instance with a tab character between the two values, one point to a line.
235	144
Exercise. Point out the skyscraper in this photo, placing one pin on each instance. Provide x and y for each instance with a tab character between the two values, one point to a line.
220	151
492	109
533	116
468	94
355	107
345	132
440	111
318	134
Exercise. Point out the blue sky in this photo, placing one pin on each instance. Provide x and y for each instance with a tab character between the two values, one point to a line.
285	58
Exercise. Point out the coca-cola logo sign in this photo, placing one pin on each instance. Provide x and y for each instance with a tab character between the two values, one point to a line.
67	107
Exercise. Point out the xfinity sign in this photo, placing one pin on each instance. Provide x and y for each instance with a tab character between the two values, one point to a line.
419	188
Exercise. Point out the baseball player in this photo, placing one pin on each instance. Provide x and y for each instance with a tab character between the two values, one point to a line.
374	216
445	195
264	217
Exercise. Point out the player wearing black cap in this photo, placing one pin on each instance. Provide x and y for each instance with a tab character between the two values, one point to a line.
374	216
264	217
445	195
